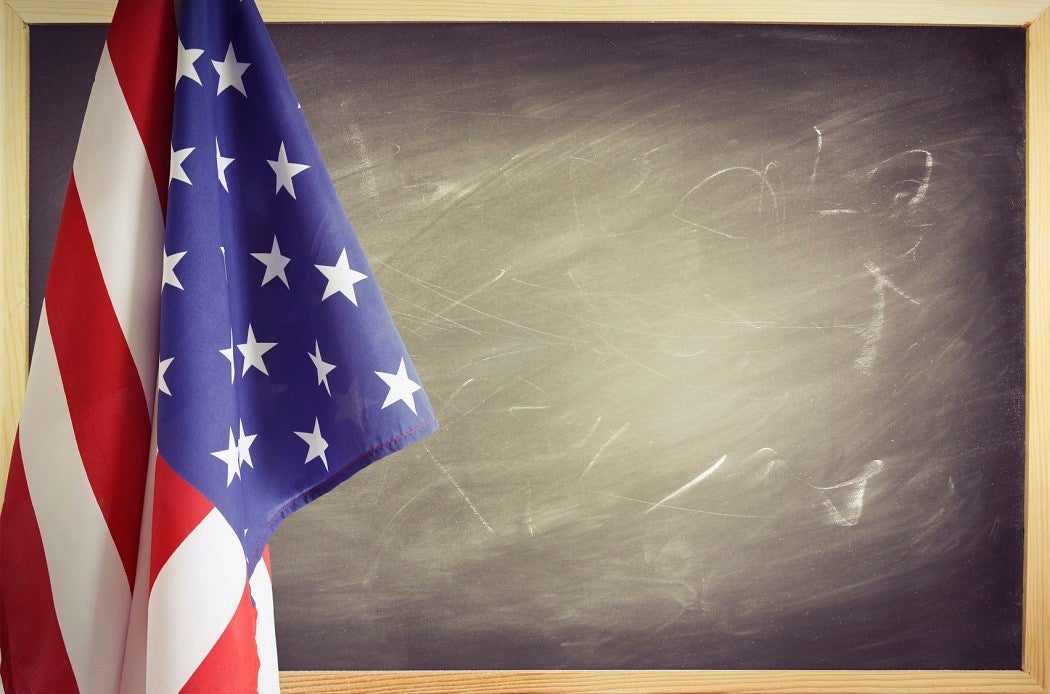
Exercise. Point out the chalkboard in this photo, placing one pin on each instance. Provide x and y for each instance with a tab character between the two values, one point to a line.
723	324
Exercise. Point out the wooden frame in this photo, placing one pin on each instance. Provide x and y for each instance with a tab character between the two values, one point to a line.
1034	15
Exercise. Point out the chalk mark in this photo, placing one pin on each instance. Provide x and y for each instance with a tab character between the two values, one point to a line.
590	433
459	489
911	251
686	487
427	310
848	511
739	318
460	300
760	175
923	185
619	432
643	365
874	330
356	138
495	356
367	578
682	508
457	390
441	291
816	160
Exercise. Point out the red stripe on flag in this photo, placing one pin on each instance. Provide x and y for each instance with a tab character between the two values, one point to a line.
266	560
30	638
102	386
232	664
101	383
142	45
178	508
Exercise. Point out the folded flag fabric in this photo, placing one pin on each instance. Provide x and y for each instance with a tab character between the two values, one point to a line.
213	353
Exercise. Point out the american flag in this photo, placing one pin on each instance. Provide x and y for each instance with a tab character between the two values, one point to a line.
213	353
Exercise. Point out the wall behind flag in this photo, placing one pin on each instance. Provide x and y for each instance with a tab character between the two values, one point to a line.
723	325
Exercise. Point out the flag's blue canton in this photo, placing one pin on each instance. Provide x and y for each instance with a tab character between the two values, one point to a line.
281	372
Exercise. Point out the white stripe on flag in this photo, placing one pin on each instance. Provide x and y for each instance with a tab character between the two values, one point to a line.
88	581
133	680
193	600
119	196
265	637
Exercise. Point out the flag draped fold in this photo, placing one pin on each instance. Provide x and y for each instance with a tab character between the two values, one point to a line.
213	353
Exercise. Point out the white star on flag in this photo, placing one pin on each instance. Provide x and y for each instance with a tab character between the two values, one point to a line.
221	163
253	352
244	443
274	262
187	57
323	367
168	276
175	170
162	385
341	279
401	387
230	456
228	353
284	170
230	72
317	444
